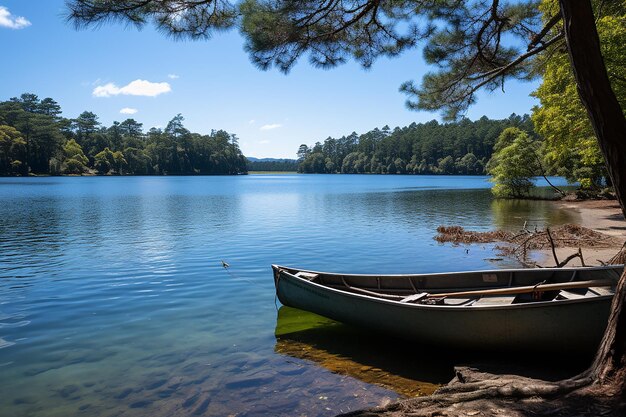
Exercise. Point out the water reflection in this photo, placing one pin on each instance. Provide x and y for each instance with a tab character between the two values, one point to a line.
514	214
403	366
393	363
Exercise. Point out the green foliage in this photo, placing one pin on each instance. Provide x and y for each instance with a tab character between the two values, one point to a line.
514	163
446	165
314	163
39	126
429	148
104	161
73	166
285	165
119	162
12	149
75	160
571	148
138	161
51	144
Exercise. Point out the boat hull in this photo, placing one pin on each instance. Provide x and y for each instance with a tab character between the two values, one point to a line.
568	326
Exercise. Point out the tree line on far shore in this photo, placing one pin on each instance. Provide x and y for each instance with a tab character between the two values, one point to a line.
272	164
461	148
36	139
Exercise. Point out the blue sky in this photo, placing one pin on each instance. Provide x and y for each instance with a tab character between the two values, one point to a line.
212	83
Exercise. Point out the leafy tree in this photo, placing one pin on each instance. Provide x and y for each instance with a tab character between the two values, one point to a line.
104	161
115	136
12	150
119	162
446	165
49	107
41	132
514	164
469	165
89	134
137	161
75	160
86	124
108	161
132	134
45	142
314	163
131	127
28	102
571	146
303	152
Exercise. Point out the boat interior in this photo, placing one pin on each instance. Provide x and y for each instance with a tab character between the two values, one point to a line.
480	288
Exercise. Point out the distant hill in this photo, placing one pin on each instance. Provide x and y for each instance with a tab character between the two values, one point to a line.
271	164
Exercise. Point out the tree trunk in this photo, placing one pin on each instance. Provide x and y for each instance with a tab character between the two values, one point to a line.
609	125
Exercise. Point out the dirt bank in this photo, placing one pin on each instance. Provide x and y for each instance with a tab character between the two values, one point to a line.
604	216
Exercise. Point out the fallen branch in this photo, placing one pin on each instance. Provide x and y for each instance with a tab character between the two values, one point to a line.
556	260
519	244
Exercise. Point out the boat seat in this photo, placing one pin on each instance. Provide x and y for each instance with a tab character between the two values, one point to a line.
602	290
307	275
496	300
568	295
414	297
450	301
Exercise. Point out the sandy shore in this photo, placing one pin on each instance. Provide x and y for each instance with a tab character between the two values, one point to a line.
604	216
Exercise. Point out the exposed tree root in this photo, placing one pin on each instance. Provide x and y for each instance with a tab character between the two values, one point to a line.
483	394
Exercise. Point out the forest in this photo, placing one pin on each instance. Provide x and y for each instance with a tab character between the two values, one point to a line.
36	140
463	148
272	164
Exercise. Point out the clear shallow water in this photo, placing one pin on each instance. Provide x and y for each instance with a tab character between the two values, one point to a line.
113	300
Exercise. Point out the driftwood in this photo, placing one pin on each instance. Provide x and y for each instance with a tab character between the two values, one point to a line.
520	244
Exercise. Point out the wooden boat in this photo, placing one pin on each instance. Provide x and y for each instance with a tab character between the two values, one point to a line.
507	309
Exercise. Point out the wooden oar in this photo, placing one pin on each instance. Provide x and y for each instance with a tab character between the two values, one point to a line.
528	289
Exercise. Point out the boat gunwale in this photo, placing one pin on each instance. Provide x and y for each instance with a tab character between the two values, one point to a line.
534	304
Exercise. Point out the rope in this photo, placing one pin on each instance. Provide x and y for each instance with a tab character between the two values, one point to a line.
235	276
226	267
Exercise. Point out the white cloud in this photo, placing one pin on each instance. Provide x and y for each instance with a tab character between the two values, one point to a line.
251	122
106	90
134	88
128	110
7	20
173	76
264	142
270	127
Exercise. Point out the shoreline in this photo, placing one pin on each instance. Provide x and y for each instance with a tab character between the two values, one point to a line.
603	216
474	392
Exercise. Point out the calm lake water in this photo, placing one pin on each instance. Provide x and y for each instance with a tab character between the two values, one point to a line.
114	302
